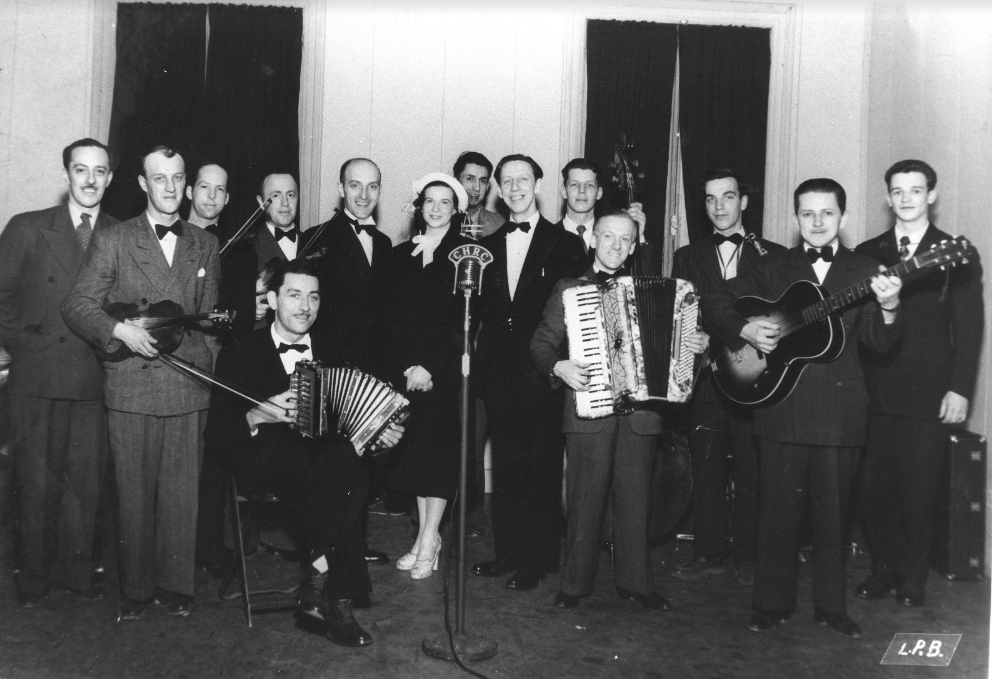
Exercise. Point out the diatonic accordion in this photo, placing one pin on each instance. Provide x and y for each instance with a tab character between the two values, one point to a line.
634	332
346	400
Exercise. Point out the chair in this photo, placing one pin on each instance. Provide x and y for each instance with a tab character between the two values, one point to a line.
275	599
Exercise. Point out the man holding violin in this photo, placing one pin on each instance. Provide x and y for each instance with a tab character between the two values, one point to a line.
154	412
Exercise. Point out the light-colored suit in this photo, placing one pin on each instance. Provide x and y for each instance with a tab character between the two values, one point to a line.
155	411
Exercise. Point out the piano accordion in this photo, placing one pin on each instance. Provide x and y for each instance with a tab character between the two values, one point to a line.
346	400
633	330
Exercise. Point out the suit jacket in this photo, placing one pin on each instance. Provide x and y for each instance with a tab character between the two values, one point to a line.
125	263
490	222
508	325
40	256
253	366
699	264
829	405
943	317
550	345
354	294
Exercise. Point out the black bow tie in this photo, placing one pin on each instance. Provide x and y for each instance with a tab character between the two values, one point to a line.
176	228
361	227
826	254
719	239
285	233
603	276
301	348
523	226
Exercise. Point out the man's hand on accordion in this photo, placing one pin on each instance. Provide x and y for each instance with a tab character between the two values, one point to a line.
279	409
574	373
391	436
698	341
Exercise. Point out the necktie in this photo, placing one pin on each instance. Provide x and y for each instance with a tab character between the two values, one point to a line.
176	228
904	247
582	230
826	254
523	226
289	234
85	230
719	239
299	348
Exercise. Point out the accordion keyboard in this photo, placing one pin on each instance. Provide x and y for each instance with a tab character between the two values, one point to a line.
586	342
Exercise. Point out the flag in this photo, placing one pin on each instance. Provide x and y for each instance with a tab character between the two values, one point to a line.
677	232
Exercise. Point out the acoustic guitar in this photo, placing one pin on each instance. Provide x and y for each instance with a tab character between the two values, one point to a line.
811	331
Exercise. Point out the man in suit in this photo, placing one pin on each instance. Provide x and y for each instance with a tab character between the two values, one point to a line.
208	197
473	170
718	426
530	256
619	449
808	443
154	411
323	478
56	383
925	383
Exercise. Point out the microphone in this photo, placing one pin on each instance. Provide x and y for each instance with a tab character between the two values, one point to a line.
469	261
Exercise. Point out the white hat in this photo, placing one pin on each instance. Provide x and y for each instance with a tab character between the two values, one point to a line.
418	187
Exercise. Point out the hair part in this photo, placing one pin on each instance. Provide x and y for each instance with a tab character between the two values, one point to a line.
471	158
580	164
498	172
912	165
821	185
279	268
79	144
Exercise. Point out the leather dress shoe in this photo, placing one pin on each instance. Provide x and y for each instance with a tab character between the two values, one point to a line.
563	600
879	585
839	622
174	604
310	597
911	597
651	600
94	593
131	609
342	628
524	581
766	620
494	568
374	557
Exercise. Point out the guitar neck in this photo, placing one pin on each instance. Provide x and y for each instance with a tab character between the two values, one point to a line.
843	299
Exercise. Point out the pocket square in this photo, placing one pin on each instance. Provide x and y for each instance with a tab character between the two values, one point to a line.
201	273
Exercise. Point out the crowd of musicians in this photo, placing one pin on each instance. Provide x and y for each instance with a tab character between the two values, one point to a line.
86	381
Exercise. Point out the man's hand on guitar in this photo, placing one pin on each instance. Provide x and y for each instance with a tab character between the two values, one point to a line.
886	289
953	409
279	409
698	341
762	335
136	339
573	373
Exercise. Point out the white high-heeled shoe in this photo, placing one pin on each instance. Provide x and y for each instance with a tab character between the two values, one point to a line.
405	562
424	568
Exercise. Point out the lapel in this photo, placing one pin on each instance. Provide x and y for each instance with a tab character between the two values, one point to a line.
544	241
709	261
61	237
271	372
798	268
930	237
501	283
748	259
184	262
148	254
839	276
266	247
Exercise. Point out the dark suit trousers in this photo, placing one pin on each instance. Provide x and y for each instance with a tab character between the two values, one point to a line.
326	486
904	463
58	462
619	456
718	432
157	465
791	476
527	454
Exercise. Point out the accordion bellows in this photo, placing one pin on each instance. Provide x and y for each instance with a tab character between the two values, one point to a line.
355	404
633	330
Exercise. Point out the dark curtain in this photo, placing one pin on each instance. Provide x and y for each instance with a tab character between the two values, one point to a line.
158	91
631	70
724	113
251	112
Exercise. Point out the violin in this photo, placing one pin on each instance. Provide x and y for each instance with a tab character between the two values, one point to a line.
165	321
229	245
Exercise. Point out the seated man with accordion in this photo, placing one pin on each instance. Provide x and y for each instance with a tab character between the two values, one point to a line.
320	475
626	346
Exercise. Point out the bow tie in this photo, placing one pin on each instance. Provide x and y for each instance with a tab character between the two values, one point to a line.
299	348
361	227
826	254
176	228
603	276
719	239
523	226
285	233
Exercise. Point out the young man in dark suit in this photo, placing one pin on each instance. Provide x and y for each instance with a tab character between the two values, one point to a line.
718	426
56	383
155	413
925	383
619	449
530	256
473	170
809	443
323	478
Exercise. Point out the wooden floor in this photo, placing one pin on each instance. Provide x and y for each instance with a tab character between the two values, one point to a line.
704	636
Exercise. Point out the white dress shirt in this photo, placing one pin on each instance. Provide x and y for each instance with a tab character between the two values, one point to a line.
517	244
730	255
365	238
288	247
290	357
819	266
914	238
168	243
573	227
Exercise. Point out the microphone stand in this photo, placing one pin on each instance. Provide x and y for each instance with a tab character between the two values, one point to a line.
469	261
